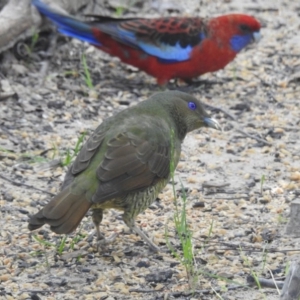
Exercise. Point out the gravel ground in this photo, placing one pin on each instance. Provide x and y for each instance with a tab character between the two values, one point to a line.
257	97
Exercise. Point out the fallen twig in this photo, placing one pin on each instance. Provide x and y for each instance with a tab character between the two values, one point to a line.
267	283
25	185
253	137
214	185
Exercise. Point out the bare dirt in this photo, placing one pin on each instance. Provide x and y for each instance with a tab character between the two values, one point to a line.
258	93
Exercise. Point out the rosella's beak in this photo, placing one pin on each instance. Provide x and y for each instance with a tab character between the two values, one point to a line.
256	36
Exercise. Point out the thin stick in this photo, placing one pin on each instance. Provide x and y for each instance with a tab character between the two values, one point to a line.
26	185
253	137
268	283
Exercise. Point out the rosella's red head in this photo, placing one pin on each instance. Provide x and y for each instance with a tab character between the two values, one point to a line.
240	30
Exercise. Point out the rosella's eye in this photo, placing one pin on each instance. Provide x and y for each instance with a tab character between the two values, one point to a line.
192	105
245	28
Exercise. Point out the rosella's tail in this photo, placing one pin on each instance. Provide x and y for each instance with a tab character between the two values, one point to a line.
66	24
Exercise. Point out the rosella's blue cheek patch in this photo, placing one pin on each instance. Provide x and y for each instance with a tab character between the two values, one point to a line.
238	42
202	36
192	105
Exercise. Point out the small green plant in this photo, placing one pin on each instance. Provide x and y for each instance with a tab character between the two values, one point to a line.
262	181
28	157
36	159
181	227
253	273
6	150
54	150
34	40
28	49
185	236
61	245
287	268
210	231
119	11
281	219
70	154
72	73
68	158
87	75
78	237
43	242
264	254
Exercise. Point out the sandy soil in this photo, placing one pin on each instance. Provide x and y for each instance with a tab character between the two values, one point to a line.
258	94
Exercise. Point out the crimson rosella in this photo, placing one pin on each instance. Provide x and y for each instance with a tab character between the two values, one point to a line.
166	48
